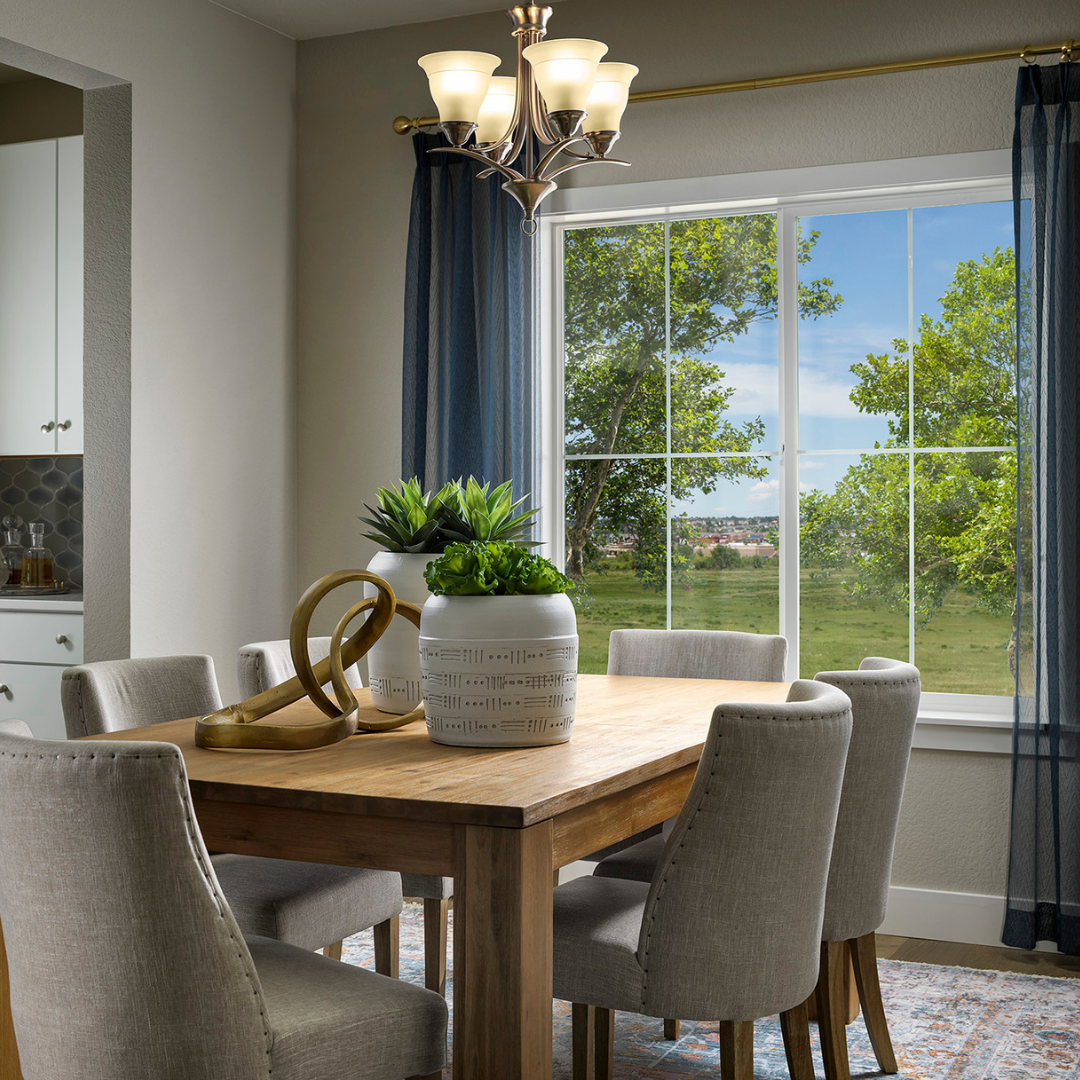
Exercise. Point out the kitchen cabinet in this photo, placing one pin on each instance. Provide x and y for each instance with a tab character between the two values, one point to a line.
41	297
37	641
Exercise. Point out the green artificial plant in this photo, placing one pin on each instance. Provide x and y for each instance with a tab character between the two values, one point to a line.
410	520
493	568
472	514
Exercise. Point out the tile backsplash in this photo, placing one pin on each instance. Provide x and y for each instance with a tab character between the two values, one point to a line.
48	489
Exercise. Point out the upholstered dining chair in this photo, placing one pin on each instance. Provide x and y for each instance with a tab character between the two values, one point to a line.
264	664
311	905
125	960
728	928
884	704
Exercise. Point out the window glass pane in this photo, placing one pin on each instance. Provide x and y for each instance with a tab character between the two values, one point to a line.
615	340
965	571
965	325
616	540
853	309
725	574
853	552
724	337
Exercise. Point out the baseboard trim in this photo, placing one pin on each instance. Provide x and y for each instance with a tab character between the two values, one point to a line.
944	916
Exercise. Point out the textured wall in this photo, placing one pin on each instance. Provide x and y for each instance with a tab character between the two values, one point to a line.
212	300
354	178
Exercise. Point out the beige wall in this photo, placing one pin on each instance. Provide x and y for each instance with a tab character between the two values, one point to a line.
212	357
354	178
39	109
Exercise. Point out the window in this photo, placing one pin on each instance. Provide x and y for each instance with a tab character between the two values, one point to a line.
793	414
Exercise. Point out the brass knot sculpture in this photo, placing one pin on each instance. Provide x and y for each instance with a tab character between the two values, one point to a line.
234	727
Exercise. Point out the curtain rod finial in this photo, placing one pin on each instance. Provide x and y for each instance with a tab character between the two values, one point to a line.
403	125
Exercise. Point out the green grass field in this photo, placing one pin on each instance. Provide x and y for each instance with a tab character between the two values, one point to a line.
962	651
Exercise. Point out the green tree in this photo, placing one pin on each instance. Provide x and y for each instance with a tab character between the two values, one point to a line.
963	395
622	316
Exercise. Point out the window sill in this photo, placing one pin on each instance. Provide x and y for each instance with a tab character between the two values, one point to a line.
973	729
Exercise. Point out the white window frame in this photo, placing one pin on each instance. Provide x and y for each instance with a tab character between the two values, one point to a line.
946	721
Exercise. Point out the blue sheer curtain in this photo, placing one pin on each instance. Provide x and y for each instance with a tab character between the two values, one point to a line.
1044	857
469	401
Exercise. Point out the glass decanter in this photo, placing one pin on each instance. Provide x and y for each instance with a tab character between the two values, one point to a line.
12	551
37	569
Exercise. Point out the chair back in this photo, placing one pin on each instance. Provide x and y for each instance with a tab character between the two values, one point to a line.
732	924
264	664
884	706
118	694
697	654
124	959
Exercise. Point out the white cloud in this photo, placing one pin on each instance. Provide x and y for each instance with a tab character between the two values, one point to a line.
808	463
763	490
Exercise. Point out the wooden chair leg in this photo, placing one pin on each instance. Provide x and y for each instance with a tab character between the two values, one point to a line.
830	1009
583	1018
605	1043
672	1030
387	947
427	1076
435	939
333	951
864	957
736	1050
795	1026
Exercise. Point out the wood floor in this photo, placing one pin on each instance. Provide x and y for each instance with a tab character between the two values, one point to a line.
985	957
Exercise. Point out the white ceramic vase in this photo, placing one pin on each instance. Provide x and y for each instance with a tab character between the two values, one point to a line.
394	660
499	670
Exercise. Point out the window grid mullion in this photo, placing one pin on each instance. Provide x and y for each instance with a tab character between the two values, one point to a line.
667	406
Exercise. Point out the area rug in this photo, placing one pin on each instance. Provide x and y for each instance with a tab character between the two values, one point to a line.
947	1023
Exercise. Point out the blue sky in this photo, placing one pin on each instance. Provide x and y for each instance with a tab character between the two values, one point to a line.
865	255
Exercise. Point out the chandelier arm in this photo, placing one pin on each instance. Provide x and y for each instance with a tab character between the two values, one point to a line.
493	166
559	148
586	161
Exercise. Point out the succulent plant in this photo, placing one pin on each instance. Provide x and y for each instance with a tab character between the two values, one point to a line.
472	514
410	520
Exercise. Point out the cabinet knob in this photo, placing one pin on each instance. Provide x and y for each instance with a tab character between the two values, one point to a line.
65	425
46	428
3	688
61	639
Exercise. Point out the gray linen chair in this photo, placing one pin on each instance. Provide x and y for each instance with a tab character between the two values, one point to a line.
265	664
728	928
884	705
126	962
312	905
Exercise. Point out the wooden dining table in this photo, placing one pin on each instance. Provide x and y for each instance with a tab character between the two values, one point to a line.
498	821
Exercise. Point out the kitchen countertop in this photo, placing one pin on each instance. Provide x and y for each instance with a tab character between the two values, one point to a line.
62	603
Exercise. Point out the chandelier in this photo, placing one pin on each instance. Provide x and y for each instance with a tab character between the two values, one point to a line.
562	96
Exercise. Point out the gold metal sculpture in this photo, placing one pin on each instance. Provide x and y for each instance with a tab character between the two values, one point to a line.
234	726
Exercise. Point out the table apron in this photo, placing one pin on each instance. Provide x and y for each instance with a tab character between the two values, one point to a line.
615	817
277	832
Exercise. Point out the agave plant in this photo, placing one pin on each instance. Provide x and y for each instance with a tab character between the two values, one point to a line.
472	514
410	520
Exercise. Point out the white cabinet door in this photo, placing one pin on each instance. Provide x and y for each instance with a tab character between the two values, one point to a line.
27	297
69	295
32	694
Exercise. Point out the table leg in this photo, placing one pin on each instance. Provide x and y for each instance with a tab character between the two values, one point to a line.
502	952
9	1052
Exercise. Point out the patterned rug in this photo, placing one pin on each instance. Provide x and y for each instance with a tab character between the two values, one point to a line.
947	1023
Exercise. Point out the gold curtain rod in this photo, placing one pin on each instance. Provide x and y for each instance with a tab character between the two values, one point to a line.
403	125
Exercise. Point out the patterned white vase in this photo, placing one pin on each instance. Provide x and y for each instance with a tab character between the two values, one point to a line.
499	670
394	661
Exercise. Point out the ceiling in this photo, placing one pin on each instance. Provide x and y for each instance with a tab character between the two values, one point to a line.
324	18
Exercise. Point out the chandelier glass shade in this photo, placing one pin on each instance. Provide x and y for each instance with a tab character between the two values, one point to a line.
562	96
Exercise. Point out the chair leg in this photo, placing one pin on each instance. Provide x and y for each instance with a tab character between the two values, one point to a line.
830	1010
672	1030
387	947
583	1017
736	1050
333	951
795	1026
435	917
864	956
427	1076
605	1043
